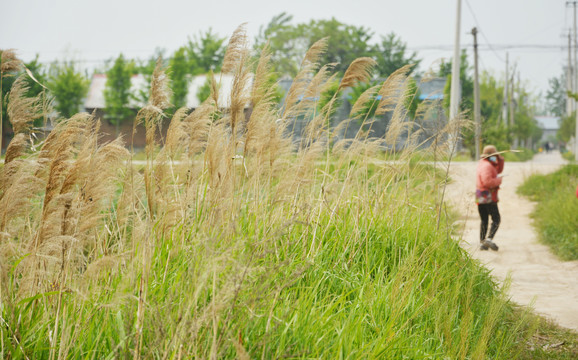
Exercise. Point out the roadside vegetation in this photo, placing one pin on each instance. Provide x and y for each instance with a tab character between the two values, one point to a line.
556	213
235	240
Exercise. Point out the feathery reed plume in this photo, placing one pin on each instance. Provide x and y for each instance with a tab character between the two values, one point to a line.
358	71
22	110
301	81
152	115
261	91
197	125
218	162
62	150
160	92
322	78
17	191
236	50
364	102
321	121
99	183
313	55
9	62
16	148
397	123
391	88
239	98
176	133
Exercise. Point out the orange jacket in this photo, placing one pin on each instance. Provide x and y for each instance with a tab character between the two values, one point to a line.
487	176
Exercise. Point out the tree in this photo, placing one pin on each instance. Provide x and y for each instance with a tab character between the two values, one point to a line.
556	96
117	91
205	52
346	42
179	74
284	42
68	86
390	55
567	127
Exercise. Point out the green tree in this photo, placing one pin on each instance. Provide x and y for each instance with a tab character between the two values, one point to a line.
567	127
346	42
205	52
284	42
179	74
289	42
117	94
556	96
391	54
68	86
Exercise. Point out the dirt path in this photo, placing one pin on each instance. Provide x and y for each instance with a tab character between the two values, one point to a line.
538	277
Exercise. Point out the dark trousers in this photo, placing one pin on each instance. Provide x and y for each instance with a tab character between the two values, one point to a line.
487	210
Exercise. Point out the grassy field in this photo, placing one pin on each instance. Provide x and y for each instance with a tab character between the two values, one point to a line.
237	241
556	213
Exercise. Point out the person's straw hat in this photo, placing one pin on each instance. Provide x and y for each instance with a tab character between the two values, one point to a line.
489	150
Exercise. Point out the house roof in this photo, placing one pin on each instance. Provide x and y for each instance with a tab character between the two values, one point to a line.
548	122
95	98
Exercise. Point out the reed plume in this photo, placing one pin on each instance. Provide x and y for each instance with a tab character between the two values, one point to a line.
292	107
236	50
360	70
9	62
151	115
197	125
261	89
22	110
391	89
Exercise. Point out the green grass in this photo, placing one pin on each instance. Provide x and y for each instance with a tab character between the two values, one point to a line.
396	288
556	214
568	156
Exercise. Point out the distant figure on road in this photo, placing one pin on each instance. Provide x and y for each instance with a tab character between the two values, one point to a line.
488	181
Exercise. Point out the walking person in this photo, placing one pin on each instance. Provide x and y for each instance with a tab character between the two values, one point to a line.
488	181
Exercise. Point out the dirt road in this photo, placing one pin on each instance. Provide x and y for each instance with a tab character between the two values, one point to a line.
538	277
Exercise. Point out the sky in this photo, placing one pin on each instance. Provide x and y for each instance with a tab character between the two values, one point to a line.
534	33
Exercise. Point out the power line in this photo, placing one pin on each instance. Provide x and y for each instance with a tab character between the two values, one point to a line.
481	32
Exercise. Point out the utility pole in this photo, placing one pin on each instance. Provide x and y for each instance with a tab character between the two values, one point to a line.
455	85
574	80
569	78
512	107
512	100
506	93
477	117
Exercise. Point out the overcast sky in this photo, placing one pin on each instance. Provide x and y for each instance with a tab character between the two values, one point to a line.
92	31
